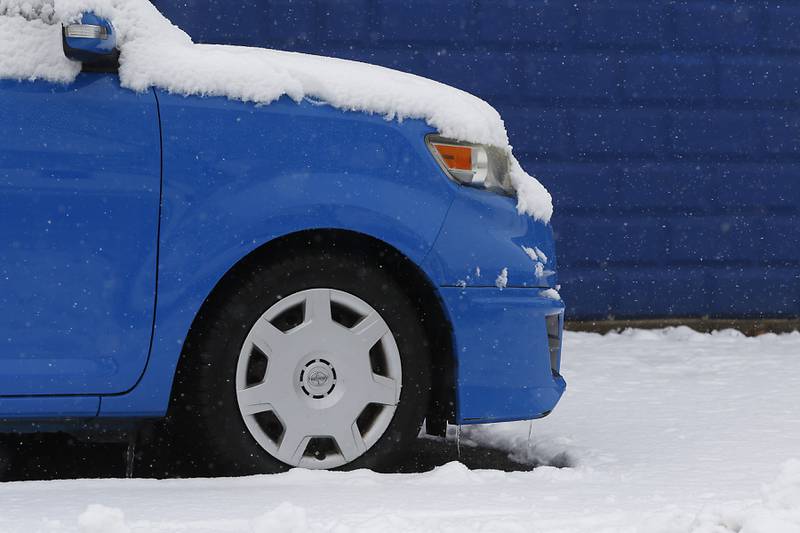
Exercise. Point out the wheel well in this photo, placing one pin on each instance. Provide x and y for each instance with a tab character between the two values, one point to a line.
414	282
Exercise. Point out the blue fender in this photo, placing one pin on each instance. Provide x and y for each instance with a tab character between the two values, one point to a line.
484	236
237	176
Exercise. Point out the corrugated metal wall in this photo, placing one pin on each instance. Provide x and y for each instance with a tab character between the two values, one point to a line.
668	132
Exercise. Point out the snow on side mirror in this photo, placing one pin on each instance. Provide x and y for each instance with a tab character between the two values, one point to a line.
93	42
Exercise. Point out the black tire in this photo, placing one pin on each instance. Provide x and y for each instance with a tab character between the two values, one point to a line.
204	415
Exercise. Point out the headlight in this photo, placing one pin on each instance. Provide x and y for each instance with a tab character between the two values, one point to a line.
472	164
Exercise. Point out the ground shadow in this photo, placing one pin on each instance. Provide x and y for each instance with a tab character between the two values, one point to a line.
59	456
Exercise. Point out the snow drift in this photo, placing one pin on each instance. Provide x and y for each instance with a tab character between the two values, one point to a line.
777	512
156	53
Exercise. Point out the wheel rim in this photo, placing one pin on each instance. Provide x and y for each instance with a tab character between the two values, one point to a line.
318	378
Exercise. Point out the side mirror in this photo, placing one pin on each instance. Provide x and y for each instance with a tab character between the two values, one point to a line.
92	42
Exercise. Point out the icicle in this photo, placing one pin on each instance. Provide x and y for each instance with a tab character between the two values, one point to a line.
530	438
458	441
130	455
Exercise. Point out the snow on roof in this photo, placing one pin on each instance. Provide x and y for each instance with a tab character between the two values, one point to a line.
30	43
156	53
42	10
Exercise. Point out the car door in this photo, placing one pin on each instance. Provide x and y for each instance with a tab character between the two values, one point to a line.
80	180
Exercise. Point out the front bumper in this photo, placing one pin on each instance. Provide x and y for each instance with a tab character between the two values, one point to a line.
504	369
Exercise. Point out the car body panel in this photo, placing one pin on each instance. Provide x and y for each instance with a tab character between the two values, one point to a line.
49	407
482	236
79	197
503	368
237	176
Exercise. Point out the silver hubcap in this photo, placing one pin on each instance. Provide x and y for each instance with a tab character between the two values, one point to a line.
318	378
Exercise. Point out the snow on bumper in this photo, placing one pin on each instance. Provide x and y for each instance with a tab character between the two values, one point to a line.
503	355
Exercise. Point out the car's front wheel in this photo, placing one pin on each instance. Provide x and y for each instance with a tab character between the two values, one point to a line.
317	360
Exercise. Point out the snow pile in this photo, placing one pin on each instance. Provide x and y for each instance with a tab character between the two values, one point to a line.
778	512
539	262
522	447
551	294
101	519
286	518
155	53
535	254
784	493
41	10
502	279
31	49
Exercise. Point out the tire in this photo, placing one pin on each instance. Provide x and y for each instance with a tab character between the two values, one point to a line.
226	364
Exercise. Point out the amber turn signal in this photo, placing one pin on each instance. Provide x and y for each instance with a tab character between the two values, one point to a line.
455	157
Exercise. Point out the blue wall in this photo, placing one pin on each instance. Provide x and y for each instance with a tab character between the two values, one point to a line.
668	132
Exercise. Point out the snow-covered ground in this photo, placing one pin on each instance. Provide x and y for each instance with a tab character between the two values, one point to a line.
663	431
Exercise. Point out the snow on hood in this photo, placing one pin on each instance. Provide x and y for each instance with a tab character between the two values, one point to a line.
156	53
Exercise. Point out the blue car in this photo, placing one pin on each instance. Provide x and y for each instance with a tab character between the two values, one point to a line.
281	283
